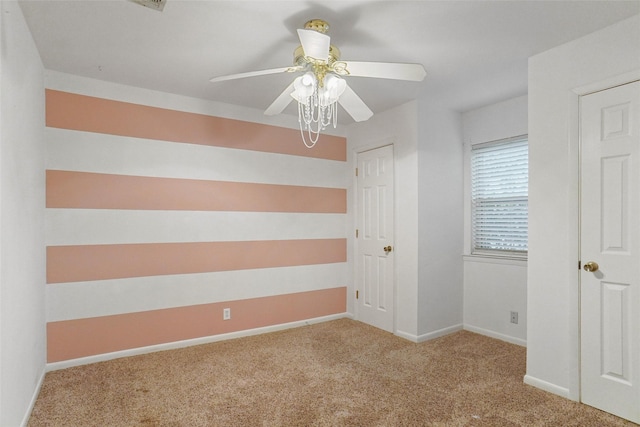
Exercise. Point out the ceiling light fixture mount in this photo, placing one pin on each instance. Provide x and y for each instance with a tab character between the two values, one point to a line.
318	25
152	4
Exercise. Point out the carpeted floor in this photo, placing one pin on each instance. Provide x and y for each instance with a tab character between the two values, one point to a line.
338	373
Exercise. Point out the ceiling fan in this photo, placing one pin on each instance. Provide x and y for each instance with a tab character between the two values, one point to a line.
321	85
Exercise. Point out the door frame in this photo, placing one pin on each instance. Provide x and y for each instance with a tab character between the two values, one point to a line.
575	163
355	222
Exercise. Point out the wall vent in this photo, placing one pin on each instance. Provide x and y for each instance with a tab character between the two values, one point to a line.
152	4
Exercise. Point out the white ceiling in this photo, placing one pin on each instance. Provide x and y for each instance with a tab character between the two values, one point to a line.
475	52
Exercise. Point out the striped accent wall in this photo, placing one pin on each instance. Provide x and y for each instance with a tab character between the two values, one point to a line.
158	219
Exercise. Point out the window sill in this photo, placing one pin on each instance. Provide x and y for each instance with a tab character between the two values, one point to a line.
493	259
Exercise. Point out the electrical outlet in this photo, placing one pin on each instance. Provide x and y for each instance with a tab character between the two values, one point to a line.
226	314
514	317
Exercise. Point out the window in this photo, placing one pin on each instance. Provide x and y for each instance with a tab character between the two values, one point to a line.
499	197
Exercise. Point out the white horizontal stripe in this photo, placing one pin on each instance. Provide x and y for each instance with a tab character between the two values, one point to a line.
112	154
104	226
67	301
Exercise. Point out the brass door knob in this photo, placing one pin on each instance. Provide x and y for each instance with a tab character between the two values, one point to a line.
388	249
591	266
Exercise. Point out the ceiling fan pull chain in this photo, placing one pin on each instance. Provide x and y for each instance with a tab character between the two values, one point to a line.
312	141
303	114
335	114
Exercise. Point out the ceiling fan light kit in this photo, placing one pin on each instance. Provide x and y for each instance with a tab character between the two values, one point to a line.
317	103
321	88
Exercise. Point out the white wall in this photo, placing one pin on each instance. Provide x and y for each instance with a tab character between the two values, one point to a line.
22	253
440	187
556	78
428	213
493	287
397	126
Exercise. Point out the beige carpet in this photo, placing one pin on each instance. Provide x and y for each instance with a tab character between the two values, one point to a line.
339	373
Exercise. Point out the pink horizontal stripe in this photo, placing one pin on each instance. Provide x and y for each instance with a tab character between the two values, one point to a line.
68	189
100	262
72	339
85	113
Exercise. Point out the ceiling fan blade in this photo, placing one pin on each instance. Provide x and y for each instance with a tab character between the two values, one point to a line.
353	105
315	44
386	70
254	74
280	102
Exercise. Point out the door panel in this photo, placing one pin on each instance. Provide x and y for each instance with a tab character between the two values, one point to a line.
610	237
375	266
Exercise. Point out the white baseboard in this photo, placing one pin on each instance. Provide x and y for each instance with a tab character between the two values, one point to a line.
406	336
496	335
34	397
430	335
439	333
187	343
546	386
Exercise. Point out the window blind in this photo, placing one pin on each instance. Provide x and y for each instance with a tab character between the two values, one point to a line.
499	196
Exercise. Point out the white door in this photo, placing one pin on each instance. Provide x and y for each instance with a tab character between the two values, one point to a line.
610	238
375	251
